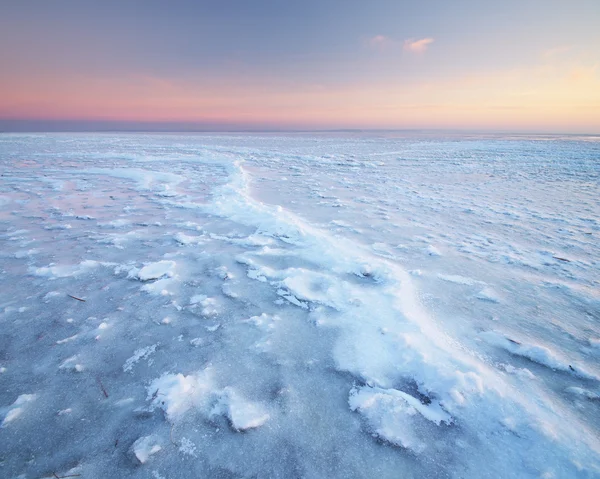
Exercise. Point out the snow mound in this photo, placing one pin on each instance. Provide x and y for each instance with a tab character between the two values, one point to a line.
177	394
390	414
537	353
185	240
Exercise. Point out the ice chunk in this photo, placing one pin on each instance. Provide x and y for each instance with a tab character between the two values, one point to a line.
26	254
145	447
72	364
488	294
17	408
156	270
185	240
161	287
51	294
177	394
241	413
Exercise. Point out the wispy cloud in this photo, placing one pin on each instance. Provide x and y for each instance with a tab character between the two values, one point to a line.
417	45
379	42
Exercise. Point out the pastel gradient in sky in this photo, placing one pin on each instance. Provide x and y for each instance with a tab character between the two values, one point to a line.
528	65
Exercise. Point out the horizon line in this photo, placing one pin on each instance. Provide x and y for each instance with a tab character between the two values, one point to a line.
132	126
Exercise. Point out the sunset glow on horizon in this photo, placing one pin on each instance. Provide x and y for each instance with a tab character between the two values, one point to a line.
533	67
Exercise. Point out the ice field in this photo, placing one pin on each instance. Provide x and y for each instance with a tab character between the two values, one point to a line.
299	306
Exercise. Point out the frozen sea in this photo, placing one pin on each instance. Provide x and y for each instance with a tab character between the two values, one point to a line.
299	306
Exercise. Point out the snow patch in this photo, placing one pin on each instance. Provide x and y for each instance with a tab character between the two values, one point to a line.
265	322
138	355
453	278
53	271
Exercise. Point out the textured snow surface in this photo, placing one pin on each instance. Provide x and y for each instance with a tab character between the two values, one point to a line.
350	306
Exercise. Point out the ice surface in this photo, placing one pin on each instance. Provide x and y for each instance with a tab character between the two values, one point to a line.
310	306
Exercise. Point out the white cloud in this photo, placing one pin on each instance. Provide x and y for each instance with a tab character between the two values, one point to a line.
417	46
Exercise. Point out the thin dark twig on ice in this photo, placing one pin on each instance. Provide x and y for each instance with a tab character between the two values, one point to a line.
75	297
102	387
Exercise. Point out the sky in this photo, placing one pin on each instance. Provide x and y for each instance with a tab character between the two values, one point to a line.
527	65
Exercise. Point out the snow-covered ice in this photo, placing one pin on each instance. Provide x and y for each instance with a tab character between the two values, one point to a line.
303	305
